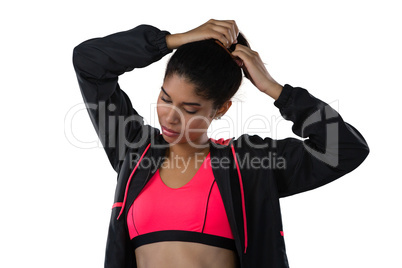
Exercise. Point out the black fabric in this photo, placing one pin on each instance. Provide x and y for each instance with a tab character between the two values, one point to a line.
98	62
186	236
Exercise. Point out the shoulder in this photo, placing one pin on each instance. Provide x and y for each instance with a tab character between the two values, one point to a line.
253	143
245	143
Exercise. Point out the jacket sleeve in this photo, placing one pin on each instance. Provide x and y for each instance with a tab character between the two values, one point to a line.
331	149
98	62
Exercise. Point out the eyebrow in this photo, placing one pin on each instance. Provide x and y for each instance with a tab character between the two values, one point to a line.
185	103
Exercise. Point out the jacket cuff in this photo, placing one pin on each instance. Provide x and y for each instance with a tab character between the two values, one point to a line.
160	41
284	96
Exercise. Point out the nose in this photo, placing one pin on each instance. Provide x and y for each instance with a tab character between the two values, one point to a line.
173	116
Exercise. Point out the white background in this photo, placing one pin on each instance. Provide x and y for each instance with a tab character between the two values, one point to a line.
56	193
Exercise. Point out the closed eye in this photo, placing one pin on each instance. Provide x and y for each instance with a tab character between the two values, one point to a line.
190	112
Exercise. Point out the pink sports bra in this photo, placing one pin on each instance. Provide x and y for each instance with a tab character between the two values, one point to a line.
192	213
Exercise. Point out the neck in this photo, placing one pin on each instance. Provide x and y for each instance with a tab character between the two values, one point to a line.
187	150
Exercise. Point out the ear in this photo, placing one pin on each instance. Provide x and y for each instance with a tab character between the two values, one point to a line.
224	108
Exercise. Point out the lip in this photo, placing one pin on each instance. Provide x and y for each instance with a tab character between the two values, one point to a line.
169	132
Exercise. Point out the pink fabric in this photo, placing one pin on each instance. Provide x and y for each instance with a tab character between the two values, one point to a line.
159	207
117	205
242	201
129	180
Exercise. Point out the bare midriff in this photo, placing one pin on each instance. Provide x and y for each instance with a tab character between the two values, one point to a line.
178	254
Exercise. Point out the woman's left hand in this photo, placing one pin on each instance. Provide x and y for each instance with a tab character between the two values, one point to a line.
256	71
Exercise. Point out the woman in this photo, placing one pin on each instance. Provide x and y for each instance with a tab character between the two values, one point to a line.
183	199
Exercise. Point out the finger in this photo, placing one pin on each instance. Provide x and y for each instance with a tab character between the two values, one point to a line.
225	34
247	58
222	38
233	26
235	29
227	29
239	61
246	49
243	57
243	52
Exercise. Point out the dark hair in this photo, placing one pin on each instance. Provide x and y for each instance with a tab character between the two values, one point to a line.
209	67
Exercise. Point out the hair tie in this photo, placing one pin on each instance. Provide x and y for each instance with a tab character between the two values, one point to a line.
238	61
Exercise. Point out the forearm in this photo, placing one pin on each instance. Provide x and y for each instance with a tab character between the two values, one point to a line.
173	41
273	89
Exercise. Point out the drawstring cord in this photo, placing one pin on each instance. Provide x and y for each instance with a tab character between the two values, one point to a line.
129	180
242	200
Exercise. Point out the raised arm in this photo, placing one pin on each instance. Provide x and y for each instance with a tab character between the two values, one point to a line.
98	62
332	148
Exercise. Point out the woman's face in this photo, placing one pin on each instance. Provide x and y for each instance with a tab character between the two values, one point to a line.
184	116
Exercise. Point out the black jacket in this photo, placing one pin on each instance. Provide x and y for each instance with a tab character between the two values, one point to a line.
256	171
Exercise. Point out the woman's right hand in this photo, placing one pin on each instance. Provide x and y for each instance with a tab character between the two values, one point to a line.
225	31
